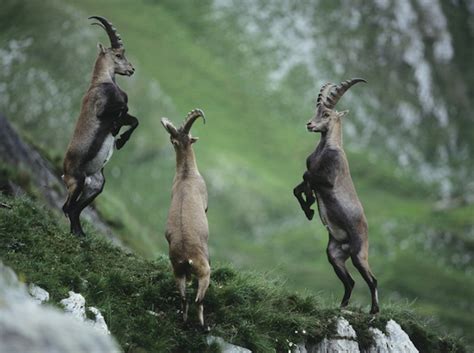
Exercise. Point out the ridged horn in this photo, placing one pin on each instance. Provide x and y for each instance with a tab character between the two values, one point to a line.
115	40
330	93
191	118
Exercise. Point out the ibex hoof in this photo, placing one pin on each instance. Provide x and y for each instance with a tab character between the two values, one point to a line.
374	310
309	214
120	143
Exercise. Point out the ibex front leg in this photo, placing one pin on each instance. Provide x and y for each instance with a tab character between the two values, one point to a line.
305	188
125	120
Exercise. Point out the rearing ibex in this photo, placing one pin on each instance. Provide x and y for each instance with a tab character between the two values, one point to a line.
187	229
328	181
103	112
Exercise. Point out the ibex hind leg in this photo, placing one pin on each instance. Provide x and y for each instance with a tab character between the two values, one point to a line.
204	279
359	256
337	257
93	186
181	284
74	186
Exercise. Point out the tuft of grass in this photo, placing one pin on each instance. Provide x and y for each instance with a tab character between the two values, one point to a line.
140	303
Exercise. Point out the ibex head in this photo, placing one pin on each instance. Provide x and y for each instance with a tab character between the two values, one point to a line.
115	55
181	137
326	116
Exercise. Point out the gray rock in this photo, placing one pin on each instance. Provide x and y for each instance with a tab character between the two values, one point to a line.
75	305
28	327
99	322
345	341
225	346
395	341
39	294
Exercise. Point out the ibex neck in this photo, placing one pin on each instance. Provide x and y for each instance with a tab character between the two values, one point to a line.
186	162
103	70
333	137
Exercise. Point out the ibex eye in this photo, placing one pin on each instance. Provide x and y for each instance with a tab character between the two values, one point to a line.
118	55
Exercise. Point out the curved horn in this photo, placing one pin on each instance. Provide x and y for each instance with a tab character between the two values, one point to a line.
330	93
115	40
191	118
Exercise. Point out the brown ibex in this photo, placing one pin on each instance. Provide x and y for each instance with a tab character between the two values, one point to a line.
187	229
328	182
103	112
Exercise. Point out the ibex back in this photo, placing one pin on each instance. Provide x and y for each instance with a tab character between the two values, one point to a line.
187	229
328	181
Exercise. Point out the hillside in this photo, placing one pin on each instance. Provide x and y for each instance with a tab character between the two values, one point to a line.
139	301
226	59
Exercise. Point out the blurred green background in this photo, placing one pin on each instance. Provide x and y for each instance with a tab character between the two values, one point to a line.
255	68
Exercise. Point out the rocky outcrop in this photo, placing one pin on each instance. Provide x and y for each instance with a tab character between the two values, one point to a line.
394	341
75	305
28	327
345	341
226	347
39	295
21	156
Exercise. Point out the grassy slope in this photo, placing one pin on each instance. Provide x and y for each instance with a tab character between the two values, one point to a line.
251	153
246	308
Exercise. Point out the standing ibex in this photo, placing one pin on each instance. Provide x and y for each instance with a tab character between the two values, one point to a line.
187	230
103	112
328	181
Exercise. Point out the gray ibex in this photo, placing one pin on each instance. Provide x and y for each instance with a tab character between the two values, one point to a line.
328	182
103	112
187	229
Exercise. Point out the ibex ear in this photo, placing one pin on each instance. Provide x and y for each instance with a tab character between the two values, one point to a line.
342	114
101	48
168	125
194	139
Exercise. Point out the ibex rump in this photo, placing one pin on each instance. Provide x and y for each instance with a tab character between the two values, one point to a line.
328	182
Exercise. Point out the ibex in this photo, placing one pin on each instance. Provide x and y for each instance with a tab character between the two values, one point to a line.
103	112
328	182
187	229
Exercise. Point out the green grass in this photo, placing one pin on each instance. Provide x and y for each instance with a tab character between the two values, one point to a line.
247	308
